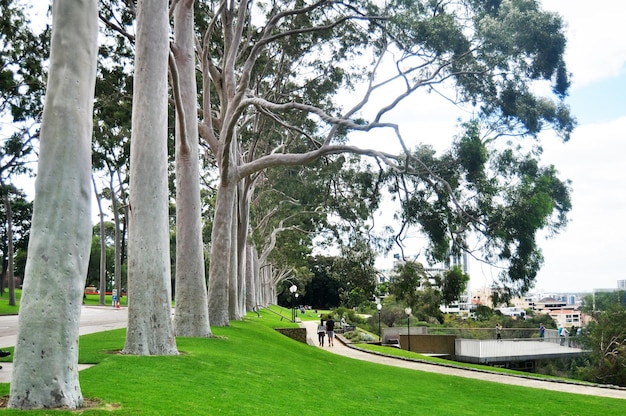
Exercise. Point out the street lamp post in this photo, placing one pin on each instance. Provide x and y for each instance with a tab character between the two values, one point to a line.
379	307
292	290
408	325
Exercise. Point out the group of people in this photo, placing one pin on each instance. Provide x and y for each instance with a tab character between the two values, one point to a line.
326	328
563	333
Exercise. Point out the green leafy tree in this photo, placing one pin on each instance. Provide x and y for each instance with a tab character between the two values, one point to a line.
494	63
602	301
477	188
408	279
322	291
354	270
452	284
270	99
606	338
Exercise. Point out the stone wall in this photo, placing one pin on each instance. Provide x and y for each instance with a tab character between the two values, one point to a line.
299	334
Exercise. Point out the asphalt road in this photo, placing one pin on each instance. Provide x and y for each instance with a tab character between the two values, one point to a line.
92	319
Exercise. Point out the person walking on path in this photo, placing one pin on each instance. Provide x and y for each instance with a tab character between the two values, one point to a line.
564	335
498	332
330	331
542	331
321	332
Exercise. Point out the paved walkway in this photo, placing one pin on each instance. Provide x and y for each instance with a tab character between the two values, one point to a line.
566	387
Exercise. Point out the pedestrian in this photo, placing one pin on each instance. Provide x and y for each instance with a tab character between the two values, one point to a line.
542	331
498	332
330	331
343	323
321	332
564	335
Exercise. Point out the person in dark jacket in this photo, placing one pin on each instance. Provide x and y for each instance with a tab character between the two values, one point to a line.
330	331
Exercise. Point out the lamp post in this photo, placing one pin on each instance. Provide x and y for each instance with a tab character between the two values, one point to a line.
408	325
293	289
379	307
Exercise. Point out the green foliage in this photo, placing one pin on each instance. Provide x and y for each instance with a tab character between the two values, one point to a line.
602	301
452	284
606	338
500	193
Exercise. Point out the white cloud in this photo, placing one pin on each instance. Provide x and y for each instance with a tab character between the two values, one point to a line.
596	32
589	253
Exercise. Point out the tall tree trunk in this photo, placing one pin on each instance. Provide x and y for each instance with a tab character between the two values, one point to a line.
221	250
45	371
150	329
192	312
242	245
117	265
103	247
233	275
10	250
252	273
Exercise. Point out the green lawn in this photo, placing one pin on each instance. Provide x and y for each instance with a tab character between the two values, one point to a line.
250	369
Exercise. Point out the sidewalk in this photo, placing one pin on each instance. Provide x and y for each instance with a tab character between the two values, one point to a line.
562	386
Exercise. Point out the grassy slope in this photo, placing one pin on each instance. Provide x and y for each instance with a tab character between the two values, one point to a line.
249	369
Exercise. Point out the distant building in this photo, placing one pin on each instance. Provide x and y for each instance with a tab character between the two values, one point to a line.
549	304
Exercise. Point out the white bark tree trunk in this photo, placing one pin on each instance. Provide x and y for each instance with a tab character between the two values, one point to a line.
252	275
45	372
192	312
221	249
150	329
233	271
103	246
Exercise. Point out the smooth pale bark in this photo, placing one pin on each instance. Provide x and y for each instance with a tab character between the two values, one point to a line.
243	226
221	262
10	250
192	314
45	370
252	275
117	268
150	329
103	247
233	285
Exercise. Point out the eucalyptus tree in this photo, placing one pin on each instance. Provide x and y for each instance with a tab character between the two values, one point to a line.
192	313
112	125
150	329
45	373
487	54
500	193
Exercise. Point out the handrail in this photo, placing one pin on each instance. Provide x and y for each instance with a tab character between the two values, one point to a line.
257	307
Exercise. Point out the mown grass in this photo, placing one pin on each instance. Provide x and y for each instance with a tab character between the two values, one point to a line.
250	369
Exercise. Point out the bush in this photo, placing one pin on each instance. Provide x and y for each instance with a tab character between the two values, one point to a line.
358	336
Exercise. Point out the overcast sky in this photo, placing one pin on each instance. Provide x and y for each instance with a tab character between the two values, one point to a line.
590	253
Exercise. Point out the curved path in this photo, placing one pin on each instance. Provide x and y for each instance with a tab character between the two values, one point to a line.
562	386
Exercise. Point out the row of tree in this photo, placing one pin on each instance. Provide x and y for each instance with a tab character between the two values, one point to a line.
259	130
